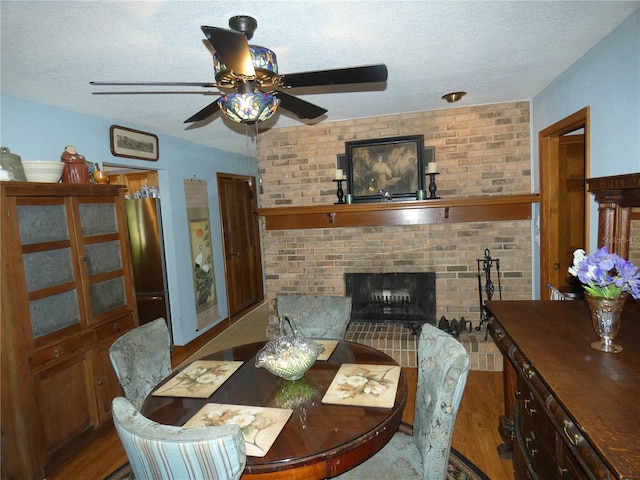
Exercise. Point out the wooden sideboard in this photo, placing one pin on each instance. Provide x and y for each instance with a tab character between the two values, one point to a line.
570	411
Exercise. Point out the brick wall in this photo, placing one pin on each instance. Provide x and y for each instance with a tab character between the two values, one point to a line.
481	150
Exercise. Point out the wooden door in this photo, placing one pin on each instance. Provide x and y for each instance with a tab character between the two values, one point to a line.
241	238
572	198
564	162
66	404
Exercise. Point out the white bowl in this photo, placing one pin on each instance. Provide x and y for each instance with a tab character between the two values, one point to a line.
48	171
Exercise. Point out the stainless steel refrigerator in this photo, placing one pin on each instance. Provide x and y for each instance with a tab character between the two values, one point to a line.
147	256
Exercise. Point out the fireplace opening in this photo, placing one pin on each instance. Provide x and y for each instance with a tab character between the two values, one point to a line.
408	299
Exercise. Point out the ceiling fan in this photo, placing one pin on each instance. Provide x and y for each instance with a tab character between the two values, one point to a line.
252	88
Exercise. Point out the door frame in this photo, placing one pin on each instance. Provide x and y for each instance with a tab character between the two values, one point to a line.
550	204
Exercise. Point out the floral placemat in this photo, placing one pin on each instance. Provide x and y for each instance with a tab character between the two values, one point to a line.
198	380
260	425
364	385
329	347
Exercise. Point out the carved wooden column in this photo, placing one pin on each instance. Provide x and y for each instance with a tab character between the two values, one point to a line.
607	207
616	197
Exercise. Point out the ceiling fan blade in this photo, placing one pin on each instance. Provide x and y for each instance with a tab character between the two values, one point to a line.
341	76
206	112
232	48
301	108
156	84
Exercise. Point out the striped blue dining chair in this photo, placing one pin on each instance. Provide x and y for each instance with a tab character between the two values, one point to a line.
141	359
167	452
443	365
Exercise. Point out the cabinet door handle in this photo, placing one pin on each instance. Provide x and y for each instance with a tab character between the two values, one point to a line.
528	409
528	371
100	382
574	439
499	334
532	451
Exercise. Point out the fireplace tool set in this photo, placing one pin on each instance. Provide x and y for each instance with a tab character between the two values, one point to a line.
484	266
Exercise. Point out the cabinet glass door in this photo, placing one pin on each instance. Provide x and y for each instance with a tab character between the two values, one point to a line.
103	256
48	268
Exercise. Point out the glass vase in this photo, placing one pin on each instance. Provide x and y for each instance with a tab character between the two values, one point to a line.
605	317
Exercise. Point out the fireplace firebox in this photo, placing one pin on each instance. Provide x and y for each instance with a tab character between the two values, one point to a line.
403	298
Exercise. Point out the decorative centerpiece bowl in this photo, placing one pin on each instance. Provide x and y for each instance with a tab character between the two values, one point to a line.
289	356
49	171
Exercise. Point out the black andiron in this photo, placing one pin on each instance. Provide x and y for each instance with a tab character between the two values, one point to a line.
485	265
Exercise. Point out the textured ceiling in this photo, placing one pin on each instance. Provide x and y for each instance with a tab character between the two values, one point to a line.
495	50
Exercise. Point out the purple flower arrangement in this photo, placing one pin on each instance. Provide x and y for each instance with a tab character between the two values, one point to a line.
605	274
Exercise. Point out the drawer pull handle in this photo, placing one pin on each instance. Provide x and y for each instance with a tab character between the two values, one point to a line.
56	353
528	409
562	471
116	327
532	451
528	371
100	383
574	439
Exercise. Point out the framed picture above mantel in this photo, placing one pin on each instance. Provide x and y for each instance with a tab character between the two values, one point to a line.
129	143
394	166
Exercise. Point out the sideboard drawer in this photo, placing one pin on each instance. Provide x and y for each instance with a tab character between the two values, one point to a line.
115	328
577	448
570	469
522	469
60	351
533	417
539	455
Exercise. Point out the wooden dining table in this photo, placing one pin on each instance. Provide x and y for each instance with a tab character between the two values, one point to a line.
319	440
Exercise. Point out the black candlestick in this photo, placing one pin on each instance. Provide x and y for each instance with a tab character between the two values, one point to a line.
433	188
340	192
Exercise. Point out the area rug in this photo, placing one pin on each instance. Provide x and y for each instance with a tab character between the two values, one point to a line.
460	468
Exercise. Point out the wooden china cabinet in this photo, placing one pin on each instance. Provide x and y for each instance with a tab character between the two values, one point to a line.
572	412
67	294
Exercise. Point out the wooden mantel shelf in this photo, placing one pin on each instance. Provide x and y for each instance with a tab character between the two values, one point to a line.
445	210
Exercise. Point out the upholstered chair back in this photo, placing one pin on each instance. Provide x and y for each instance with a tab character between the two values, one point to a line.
443	365
166	452
141	359
442	375
317	316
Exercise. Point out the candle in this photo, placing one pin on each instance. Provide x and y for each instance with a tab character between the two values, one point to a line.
339	174
432	167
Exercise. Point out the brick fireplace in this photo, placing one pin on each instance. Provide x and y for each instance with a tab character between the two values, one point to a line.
481	150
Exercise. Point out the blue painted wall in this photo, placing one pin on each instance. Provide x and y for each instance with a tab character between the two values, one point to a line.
40	132
606	79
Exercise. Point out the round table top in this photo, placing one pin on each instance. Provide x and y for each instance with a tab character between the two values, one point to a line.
319	440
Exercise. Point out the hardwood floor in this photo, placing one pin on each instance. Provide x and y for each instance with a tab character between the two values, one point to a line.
475	434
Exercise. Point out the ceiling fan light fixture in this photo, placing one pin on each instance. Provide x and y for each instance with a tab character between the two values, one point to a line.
453	96
251	107
263	60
